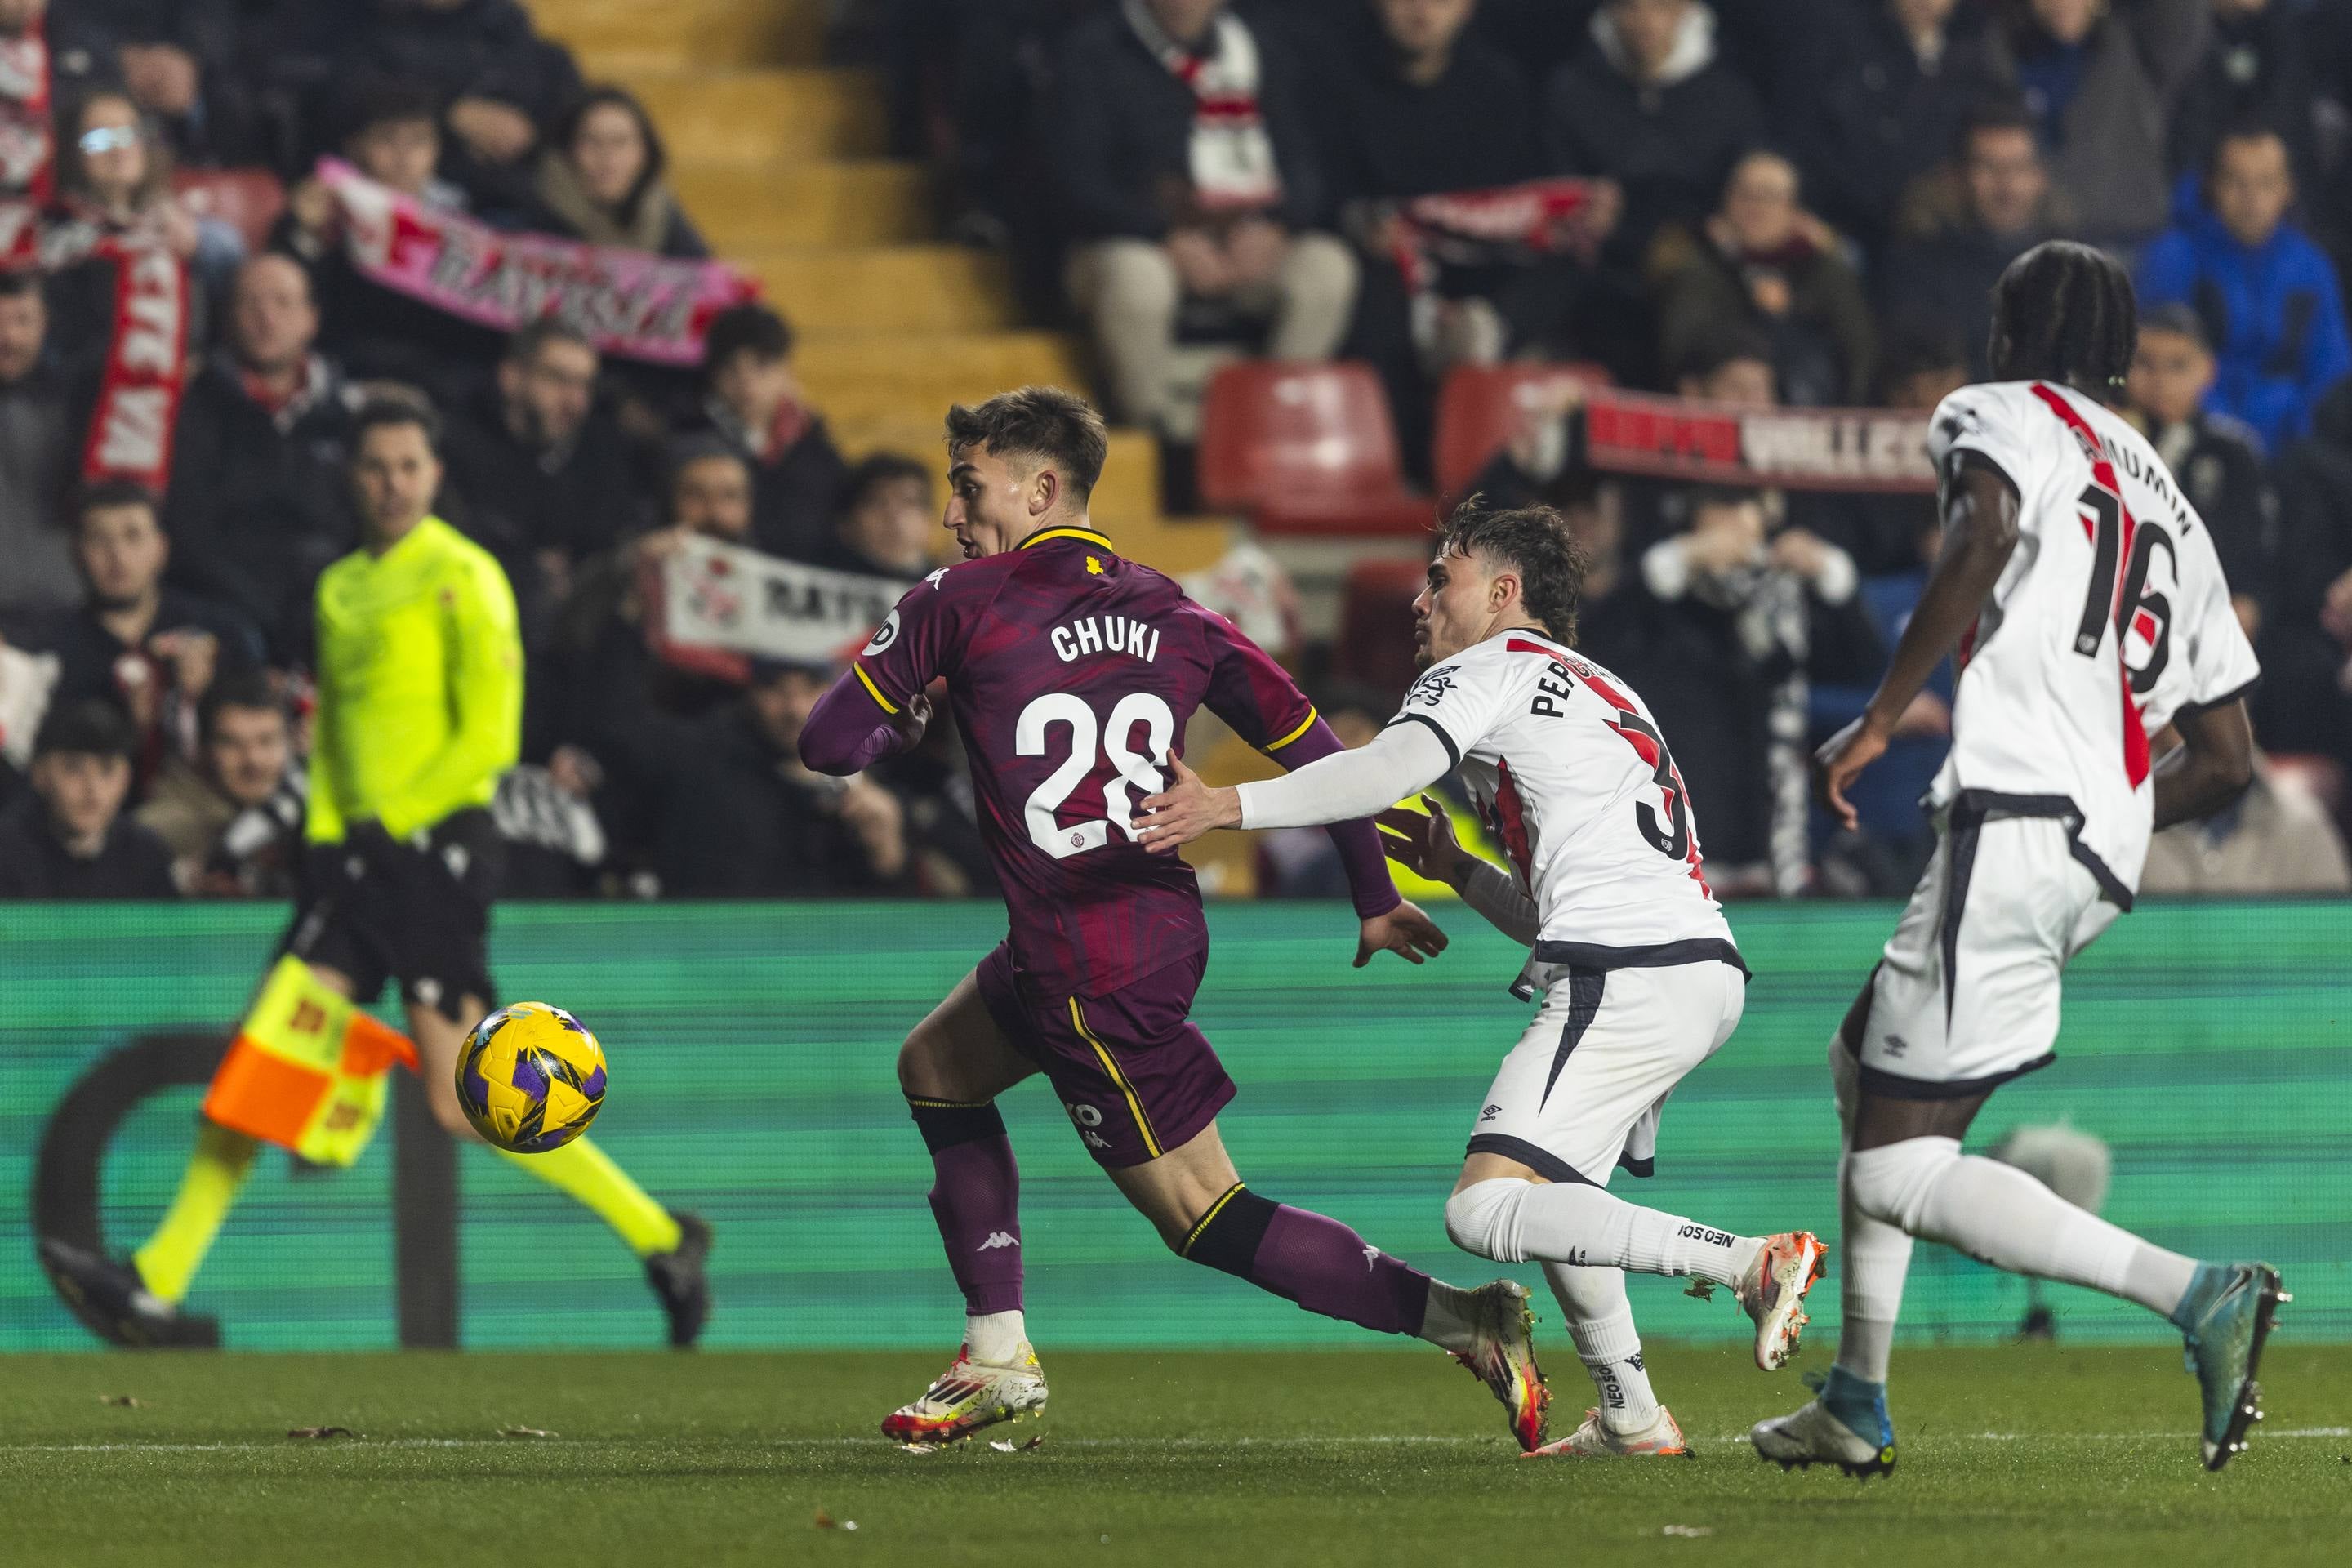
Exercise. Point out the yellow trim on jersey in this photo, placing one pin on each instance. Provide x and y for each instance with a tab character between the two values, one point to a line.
1215	1210
1134	1106
872	689
1089	534
1304	725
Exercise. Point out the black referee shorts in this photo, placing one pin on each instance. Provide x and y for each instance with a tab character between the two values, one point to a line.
420	915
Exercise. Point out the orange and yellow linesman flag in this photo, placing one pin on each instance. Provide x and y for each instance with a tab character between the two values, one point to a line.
306	1069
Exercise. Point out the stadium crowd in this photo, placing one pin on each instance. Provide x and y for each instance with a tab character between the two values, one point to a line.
1756	203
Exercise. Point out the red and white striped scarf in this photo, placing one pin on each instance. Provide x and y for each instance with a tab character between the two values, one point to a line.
1233	166
28	145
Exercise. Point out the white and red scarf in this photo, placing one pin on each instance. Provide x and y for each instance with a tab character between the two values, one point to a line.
28	145
1233	166
1482	228
146	366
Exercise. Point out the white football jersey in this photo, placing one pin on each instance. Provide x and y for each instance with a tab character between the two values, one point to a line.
2111	617
1574	778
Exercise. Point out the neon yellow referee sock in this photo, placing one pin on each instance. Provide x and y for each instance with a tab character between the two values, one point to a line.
588	1174
216	1169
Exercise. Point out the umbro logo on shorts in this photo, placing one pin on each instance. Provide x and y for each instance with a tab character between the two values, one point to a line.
997	1238
1491	1113
1897	1044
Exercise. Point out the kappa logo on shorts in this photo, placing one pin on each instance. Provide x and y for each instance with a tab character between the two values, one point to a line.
1371	1258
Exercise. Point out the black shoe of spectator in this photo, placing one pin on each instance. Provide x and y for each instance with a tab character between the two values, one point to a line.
677	1276
115	1304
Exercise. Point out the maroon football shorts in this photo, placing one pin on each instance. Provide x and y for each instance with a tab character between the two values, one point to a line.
1136	1075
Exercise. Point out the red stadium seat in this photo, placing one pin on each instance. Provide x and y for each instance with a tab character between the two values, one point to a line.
1481	408
1305	448
1375	641
248	200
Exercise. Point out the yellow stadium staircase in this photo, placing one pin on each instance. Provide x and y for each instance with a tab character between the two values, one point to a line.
780	159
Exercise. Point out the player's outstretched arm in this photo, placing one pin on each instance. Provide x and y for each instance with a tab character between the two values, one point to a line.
1980	530
846	733
2211	766
1423	842
1400	760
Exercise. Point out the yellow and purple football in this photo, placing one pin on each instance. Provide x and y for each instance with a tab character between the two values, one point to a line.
530	1078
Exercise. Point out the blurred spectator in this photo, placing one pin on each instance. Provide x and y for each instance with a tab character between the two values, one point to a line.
232	818
1883	105
150	649
392	136
1651	105
2256	67
39	442
114	181
2270	297
1962	227
889	520
258	504
502	84
1190	167
2274	838
178	61
555	846
1746	616
1896	531
605	690
540	477
68	838
2305	704
2217	460
1763	262
2100	78
601	178
1430	111
745	819
753	401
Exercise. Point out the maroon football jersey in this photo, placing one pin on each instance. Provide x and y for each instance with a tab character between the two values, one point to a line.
1071	672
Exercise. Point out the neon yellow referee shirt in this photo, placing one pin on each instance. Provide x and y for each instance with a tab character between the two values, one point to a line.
420	684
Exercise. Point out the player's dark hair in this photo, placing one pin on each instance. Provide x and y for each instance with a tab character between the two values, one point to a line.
753	329
524	344
1534	542
250	689
2065	312
392	411
1040	422
882	468
106	495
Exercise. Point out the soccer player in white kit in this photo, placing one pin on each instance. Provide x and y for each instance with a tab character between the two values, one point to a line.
1640	978
2082	594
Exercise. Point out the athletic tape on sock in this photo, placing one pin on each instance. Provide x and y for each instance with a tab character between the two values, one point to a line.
1227	1236
944	1124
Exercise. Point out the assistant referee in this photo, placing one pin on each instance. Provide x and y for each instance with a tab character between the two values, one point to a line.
419	712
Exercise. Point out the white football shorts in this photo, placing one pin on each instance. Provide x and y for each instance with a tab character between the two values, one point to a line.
1582	1092
1966	995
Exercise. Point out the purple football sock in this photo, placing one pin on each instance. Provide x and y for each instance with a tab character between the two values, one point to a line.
1311	1259
976	1198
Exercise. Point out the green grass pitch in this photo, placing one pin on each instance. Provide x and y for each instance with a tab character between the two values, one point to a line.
2009	1458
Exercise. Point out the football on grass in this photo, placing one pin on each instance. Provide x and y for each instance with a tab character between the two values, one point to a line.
530	1078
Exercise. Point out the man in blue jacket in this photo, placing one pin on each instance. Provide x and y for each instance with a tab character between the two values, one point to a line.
2267	294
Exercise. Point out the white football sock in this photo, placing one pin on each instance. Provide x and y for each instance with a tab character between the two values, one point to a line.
2000	1215
1446	1322
1872	1258
1601	1322
994	1339
1511	1220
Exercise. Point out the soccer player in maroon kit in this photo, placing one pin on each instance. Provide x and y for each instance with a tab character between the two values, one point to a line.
1071	672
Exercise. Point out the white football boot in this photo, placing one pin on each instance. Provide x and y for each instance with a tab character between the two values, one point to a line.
968	1397
1661	1439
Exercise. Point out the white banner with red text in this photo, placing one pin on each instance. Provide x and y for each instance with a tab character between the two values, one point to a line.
713	608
